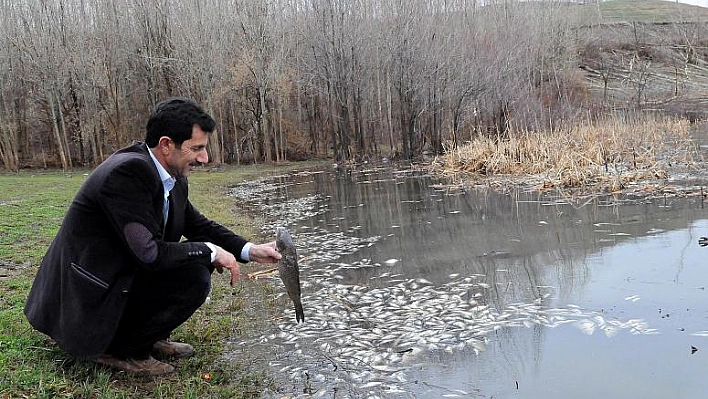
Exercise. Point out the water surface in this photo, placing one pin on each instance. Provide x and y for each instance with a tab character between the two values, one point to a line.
414	290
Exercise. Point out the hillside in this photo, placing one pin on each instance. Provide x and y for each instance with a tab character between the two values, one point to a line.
648	11
651	55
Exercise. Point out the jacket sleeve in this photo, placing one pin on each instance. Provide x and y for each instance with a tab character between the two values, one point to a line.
131	197
198	227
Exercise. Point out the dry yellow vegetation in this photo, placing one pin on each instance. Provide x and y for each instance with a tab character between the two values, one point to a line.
604	155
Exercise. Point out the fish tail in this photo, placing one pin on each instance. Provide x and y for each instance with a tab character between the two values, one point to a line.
299	312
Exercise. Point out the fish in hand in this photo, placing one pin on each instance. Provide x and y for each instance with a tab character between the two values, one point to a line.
288	269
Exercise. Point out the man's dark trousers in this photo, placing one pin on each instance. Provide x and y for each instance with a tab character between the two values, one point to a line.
157	304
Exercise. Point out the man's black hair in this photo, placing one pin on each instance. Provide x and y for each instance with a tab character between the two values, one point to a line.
175	118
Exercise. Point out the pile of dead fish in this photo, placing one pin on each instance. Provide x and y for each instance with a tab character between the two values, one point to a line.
271	198
360	339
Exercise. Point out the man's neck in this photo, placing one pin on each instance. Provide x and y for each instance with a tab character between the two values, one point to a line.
159	164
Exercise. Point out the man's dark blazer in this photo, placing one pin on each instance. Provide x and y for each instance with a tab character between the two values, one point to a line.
113	227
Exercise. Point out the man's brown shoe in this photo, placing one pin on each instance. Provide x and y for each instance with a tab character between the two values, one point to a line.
149	366
165	348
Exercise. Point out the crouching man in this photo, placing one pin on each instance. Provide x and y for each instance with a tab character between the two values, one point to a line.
118	277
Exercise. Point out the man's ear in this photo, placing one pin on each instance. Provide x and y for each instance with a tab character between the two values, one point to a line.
164	145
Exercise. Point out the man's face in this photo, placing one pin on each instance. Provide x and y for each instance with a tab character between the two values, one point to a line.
193	152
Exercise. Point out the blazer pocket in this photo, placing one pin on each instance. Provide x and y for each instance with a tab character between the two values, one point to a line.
88	276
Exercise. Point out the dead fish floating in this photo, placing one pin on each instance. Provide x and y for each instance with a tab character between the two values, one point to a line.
289	270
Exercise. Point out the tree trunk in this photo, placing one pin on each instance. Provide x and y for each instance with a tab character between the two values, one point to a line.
264	125
8	147
57	119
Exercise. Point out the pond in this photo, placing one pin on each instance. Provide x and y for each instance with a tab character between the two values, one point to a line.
412	289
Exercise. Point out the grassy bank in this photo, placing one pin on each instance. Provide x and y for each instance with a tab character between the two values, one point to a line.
31	209
600	156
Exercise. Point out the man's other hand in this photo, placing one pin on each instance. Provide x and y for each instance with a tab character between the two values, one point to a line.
226	260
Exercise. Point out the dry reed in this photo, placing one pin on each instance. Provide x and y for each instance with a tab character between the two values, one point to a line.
608	154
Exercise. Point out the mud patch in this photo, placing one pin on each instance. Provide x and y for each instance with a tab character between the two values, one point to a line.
9	270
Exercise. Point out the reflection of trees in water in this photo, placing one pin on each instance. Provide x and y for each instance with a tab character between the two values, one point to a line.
538	239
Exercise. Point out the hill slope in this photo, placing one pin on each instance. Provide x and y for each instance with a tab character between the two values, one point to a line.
651	11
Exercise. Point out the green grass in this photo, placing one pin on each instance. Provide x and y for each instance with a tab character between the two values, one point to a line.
31	209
